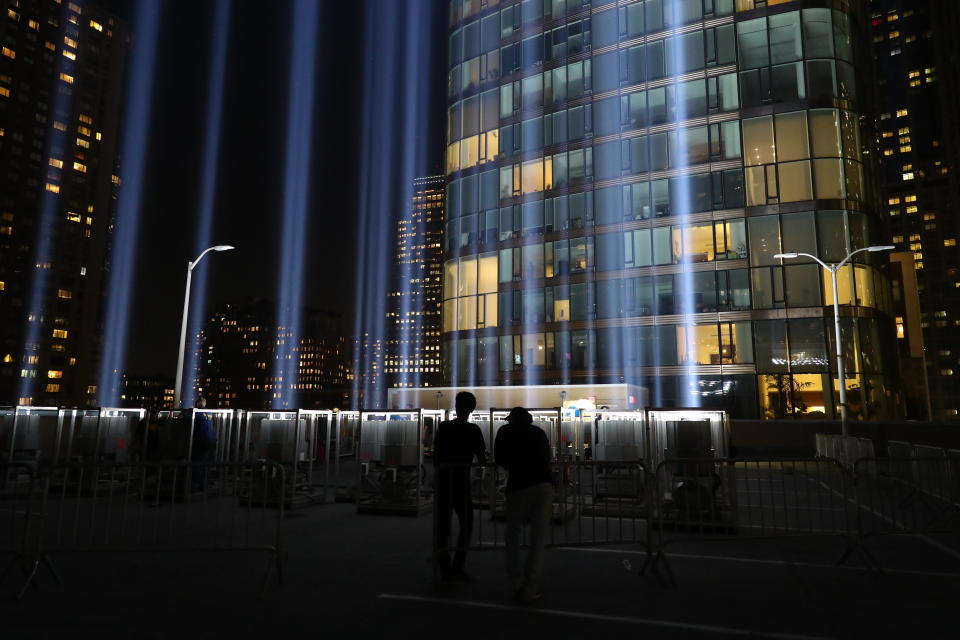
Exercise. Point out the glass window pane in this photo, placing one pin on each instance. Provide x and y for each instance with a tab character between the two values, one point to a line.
698	344
807	345
758	145
829	177
764	240
792	139
532	261
467	278
825	131
752	42
795	182
770	344
785	37
662	247
802	282
487	281
817	33
834	244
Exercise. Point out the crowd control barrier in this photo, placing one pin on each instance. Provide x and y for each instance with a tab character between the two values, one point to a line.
161	507
20	520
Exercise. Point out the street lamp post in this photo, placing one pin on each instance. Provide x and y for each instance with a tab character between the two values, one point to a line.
834	269
178	385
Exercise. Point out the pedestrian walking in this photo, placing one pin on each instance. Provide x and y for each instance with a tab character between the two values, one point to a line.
456	444
523	449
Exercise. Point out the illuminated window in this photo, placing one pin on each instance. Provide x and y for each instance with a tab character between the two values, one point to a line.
908	176
96	25
53	388
929	216
916	83
902	131
83	143
52	188
914	236
33	24
73	217
70	55
66	78
893	34
54	373
59	126
887	152
914	74
84	118
3	285
4	92
912	208
64	293
893	201
78	166
910	198
50	45
83	130
897	239
887	134
60	333
900	329
10	53
54	162
901	113
950	242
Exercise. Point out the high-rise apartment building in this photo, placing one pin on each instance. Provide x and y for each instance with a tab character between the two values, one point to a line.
916	50
620	176
61	70
238	348
412	357
147	392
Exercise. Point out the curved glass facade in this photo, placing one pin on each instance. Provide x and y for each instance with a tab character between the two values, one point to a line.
619	178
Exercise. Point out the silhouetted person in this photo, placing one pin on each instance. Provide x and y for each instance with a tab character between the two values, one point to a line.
204	443
523	449
456	443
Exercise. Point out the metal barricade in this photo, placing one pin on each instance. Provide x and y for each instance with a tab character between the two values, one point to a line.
20	519
150	507
622	521
347	424
720	499
391	475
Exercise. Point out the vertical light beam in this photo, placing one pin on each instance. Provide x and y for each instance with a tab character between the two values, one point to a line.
296	193
49	210
688	393
208	187
136	131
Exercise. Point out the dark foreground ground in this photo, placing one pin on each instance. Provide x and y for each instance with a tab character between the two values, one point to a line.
367	576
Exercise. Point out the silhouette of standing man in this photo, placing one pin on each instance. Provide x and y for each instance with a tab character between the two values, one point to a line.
456	443
523	449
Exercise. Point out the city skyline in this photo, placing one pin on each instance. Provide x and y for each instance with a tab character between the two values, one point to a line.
619	180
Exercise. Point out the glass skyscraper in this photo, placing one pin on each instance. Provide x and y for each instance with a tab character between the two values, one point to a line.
620	176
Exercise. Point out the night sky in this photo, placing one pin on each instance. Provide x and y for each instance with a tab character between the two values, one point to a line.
249	187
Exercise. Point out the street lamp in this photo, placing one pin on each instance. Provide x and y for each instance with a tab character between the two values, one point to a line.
833	269
186	313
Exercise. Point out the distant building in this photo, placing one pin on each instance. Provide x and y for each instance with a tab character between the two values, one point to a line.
412	353
61	72
371	390
238	346
148	392
917	54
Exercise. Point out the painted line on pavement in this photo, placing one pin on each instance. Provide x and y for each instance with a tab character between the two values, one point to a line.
583	615
812	565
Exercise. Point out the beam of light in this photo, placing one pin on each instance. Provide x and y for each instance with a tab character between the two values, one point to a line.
49	209
136	131
687	391
412	271
391	156
296	193
211	145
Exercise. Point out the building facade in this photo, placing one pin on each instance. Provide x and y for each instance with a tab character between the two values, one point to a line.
61	73
148	392
916	51
620	176
238	349
412	357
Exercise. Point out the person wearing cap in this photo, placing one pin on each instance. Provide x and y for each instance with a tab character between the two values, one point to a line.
455	445
523	449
